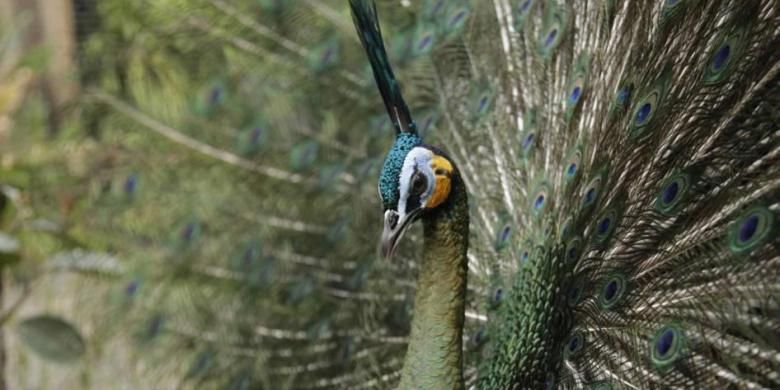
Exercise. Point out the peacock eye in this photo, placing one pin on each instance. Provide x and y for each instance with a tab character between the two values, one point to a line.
419	184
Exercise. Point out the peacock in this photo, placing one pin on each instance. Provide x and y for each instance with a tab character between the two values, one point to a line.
631	149
597	186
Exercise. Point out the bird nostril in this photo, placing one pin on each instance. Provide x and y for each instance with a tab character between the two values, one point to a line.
392	220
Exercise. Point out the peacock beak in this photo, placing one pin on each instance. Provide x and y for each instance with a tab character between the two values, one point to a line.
395	226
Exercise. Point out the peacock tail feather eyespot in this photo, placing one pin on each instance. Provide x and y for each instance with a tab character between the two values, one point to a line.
524	251
612	290
153	328
528	135
325	55
622	98
567	228
572	165
643	112
723	57
646	108
424	40
189	232
479	337
590	193
483	102
574	345
522	10
527	141
553	32
605	225
577	85
496	297
504	232
754	227
673	192
131	184
574	93
667	346
457	18
573	249
575	293
433	9
540	198
132	287
211	97
252	137
304	155
202	364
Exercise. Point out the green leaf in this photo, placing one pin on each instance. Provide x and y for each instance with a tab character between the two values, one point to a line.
52	338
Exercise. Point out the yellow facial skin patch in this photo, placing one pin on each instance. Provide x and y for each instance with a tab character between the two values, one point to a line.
442	170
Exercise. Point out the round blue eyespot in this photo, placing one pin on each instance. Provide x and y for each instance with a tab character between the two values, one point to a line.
575	94
505	233
604	225
525	5
131	288
483	103
643	113
458	17
188	231
327	55
610	290
623	95
539	202
572	253
131	183
528	140
499	293
479	336
550	37
590	195
425	42
664	343
572	169
670	192
215	95
524	256
721	57
574	343
748	228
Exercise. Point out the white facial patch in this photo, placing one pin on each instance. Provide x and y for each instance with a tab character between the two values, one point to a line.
417	160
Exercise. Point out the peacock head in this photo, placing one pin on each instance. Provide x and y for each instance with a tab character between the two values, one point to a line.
415	179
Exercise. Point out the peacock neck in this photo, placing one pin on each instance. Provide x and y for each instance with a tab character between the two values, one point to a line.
434	356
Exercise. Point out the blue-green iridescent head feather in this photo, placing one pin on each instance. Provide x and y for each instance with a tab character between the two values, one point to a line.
391	170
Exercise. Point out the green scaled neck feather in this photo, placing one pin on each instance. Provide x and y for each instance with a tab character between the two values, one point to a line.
434	357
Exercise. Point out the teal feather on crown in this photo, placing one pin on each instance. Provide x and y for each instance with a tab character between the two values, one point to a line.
391	170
